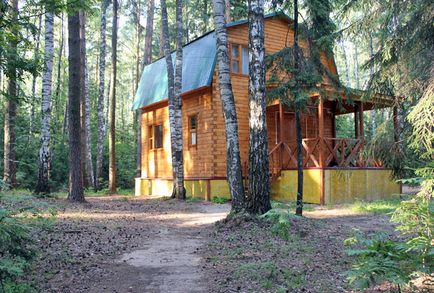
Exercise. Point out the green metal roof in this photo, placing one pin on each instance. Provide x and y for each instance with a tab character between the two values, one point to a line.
199	59
198	64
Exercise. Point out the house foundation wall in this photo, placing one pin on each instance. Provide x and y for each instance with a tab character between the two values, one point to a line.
339	186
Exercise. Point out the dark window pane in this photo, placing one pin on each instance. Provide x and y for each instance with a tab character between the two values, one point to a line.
245	60
158	136
235	66
235	51
193	122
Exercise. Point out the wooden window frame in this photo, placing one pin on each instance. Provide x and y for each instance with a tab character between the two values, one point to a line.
190	145
239	59
151	137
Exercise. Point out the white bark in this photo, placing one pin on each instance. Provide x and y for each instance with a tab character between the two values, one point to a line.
175	101
259	186
45	152
233	160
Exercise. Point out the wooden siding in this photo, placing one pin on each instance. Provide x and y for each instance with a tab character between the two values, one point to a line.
208	159
157	163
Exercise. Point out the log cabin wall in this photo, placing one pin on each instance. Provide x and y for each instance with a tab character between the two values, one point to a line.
157	163
277	34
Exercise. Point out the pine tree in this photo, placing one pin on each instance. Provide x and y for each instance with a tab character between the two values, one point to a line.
74	95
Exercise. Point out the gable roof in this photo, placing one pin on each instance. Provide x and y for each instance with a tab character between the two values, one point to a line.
198	64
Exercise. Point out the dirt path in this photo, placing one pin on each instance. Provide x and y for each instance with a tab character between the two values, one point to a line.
127	245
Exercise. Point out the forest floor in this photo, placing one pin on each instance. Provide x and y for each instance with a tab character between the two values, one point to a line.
137	244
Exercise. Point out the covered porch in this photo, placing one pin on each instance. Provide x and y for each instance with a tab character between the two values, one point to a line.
323	152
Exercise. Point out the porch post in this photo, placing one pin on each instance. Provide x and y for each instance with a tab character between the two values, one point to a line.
321	147
395	124
361	133
356	120
281	133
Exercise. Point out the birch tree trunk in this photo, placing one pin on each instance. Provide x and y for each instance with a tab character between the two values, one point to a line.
36	52
100	109
43	185
259	176
88	164
112	109
9	154
74	92
233	159
341	43
175	101
228	11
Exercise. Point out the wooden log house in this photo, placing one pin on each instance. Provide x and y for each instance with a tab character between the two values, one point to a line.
334	169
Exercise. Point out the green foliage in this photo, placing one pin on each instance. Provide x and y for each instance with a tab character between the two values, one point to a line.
377	259
376	207
219	200
17	245
281	222
16	249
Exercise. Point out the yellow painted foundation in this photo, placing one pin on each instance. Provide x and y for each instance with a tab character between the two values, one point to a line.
285	188
349	185
339	186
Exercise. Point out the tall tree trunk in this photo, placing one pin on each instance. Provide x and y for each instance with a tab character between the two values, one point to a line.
59	63
149	33
341	43
86	131
373	113
10	165
147	58
175	102
259	176
101	116
112	109
35	76
74	92
298	130
162	40
233	159
43	185
228	18
356	66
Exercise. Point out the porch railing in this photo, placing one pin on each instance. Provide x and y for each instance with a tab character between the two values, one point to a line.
337	152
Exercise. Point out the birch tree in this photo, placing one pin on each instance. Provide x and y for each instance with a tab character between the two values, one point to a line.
175	100
45	152
259	178
9	152
100	107
74	91
233	160
112	109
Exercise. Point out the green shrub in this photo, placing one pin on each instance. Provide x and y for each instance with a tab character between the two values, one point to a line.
378	258
16	250
219	200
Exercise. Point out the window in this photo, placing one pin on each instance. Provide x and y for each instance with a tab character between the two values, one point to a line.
155	136
192	130
239	59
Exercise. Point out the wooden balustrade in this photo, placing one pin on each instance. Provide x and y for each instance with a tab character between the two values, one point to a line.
338	152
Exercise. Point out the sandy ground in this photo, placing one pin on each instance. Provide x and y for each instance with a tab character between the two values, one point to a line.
136	244
126	245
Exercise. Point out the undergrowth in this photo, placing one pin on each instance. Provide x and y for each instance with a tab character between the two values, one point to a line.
20	216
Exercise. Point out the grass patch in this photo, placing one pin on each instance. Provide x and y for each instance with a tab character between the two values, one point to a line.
219	200
375	207
291	205
191	199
